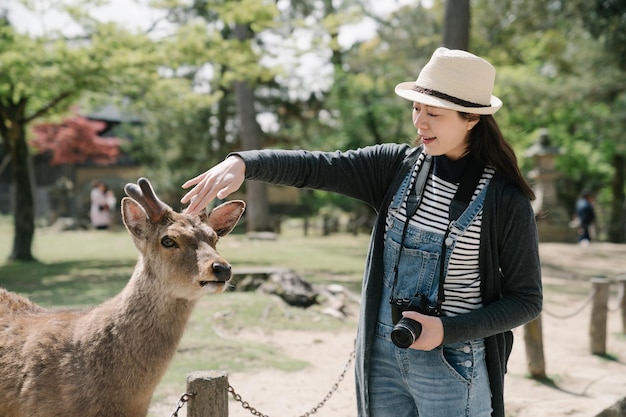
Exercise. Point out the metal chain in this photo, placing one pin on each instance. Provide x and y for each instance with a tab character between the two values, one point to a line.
333	388
246	406
181	403
578	310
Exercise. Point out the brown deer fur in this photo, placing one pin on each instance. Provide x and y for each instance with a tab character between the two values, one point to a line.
107	361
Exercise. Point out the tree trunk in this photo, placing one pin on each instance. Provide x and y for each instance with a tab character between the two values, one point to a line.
257	210
456	24
616	222
23	203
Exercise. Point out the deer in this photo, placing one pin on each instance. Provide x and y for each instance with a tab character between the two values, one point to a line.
107	360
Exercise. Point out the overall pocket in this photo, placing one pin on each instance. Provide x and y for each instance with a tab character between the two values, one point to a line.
417	270
462	358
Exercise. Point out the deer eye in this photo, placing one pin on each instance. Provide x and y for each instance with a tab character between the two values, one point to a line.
168	242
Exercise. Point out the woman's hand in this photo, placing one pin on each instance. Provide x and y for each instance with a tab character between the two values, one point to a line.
432	331
219	181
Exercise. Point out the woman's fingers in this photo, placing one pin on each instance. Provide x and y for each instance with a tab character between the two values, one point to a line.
219	181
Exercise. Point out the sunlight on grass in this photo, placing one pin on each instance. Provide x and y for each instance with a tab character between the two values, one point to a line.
73	268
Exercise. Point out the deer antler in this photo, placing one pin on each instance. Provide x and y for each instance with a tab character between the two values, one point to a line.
145	196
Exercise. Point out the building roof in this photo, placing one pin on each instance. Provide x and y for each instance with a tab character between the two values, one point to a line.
111	113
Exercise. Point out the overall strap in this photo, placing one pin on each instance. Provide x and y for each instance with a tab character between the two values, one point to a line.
412	203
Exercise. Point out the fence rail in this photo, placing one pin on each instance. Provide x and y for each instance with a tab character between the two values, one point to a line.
599	299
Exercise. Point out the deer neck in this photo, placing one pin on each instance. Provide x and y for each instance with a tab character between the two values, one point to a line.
145	307
136	333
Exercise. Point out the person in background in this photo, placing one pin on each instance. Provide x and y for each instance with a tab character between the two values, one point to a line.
446	277
586	216
102	202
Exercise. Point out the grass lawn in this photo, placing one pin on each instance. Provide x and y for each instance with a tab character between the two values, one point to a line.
83	268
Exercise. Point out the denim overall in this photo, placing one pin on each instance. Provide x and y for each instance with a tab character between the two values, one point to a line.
450	380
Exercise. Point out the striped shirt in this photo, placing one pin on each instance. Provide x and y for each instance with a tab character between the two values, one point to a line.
462	282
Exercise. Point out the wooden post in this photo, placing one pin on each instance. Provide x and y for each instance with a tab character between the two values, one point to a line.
210	394
621	290
599	312
533	339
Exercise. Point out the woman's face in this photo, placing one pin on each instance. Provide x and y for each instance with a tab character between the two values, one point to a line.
442	131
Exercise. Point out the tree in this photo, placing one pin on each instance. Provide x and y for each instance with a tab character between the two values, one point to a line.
552	73
178	138
456	27
360	109
223	34
606	21
42	76
75	141
258	218
232	43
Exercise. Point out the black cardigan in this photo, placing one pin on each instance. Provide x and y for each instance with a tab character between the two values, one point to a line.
509	255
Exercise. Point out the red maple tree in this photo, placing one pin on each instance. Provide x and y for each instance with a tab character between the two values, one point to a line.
76	141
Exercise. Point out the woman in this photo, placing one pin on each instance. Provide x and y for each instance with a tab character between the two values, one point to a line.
465	265
102	202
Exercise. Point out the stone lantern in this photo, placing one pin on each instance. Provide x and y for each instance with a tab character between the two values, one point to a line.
552	218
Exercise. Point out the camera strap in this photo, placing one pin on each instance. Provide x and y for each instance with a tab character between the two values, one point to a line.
414	196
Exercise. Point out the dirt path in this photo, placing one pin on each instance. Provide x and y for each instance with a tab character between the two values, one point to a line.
582	385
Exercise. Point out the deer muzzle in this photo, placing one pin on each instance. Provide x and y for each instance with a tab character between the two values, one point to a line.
222	271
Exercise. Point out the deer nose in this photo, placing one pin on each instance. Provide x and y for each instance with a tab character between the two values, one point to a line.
221	271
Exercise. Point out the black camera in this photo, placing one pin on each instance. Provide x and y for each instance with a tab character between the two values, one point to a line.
406	331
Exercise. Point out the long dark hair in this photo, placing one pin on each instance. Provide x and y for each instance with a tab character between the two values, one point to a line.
489	147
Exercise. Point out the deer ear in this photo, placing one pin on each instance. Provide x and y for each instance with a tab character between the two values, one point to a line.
134	216
224	217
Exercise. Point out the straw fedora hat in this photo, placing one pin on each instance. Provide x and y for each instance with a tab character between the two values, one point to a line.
455	80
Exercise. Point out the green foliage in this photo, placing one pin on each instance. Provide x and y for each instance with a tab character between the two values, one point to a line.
175	144
558	67
188	113
41	70
606	20
259	14
553	74
360	108
43	76
30	69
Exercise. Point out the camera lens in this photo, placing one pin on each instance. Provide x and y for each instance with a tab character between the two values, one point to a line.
406	332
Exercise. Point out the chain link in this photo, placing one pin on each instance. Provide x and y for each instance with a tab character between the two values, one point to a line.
575	312
181	403
246	406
